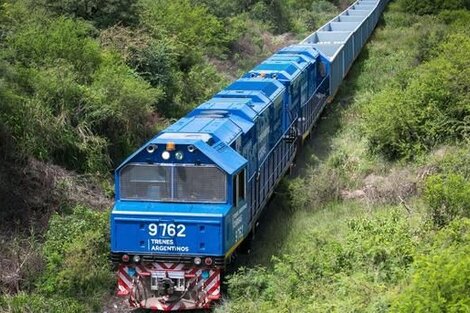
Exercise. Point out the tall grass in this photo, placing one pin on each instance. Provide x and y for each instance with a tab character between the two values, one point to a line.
358	255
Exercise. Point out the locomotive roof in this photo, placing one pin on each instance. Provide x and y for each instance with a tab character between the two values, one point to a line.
240	111
214	125
217	125
261	91
298	59
302	49
286	70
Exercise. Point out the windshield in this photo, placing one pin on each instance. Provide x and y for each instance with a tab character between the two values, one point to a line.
172	183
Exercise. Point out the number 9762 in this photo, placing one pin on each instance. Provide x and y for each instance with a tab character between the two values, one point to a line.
167	230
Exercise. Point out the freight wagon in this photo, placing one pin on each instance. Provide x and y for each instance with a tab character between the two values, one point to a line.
187	199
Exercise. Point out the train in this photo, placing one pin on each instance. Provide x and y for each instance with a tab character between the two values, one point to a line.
188	199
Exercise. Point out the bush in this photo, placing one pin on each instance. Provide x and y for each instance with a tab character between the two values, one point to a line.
67	100
448	197
382	246
422	7
311	16
346	264
156	64
192	27
273	13
456	160
456	18
321	185
428	41
432	104
100	12
76	252
441	279
77	272
119	107
21	263
248	282
201	82
43	42
182	89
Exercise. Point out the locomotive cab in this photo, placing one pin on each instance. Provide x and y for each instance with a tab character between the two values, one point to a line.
190	179
174	199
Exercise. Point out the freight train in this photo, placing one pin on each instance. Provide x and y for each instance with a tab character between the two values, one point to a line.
188	198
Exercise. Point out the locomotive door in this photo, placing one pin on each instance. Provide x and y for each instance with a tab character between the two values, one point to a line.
240	204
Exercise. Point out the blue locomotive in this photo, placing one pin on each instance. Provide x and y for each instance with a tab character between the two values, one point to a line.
189	197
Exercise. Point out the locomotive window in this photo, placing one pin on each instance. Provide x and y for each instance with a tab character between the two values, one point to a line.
239	188
199	183
181	183
234	191
139	182
241	185
321	69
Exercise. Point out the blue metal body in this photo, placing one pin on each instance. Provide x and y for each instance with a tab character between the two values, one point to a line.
250	131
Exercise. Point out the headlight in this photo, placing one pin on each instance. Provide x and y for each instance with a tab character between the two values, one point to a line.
151	148
165	155
197	261
136	258
179	155
208	261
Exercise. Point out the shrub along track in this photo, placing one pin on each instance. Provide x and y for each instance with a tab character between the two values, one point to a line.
343	234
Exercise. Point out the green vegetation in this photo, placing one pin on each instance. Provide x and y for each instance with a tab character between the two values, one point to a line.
65	99
448	197
76	254
378	221
433	6
440	280
77	274
337	260
432	102
23	302
82	85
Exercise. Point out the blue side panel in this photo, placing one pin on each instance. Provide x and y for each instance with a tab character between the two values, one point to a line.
237	225
267	96
293	76
311	55
249	149
307	73
295	67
